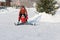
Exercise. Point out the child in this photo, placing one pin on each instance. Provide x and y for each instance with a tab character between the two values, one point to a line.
22	11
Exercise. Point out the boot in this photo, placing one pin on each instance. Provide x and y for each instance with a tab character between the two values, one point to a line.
18	22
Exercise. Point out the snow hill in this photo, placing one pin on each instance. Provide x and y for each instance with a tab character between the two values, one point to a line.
48	27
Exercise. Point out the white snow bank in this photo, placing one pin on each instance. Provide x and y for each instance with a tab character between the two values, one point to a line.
3	11
45	17
2	0
49	18
8	10
11	9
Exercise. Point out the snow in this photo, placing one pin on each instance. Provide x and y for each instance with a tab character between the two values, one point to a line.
49	18
47	29
46	17
2	0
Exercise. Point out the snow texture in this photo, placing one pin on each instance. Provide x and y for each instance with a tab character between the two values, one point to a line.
47	29
2	0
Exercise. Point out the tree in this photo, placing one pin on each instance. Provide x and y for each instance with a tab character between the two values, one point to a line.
47	6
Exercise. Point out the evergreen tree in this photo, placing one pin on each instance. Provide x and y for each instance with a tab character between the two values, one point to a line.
47	6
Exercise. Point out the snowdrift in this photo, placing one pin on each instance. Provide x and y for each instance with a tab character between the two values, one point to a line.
45	17
32	13
49	18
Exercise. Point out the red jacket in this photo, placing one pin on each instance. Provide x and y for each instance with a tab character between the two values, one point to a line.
23	19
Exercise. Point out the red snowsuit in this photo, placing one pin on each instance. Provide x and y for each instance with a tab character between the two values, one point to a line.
23	11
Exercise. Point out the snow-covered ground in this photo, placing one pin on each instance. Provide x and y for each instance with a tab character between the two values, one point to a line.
47	29
2	0
49	18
